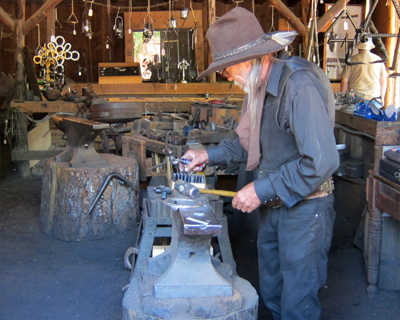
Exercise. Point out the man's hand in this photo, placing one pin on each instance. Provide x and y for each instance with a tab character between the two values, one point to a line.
246	199
197	158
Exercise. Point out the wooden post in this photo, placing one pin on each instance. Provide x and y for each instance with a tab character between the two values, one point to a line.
211	20
305	9
23	168
49	25
19	43
393	27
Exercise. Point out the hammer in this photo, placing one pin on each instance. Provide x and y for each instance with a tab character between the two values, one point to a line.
191	191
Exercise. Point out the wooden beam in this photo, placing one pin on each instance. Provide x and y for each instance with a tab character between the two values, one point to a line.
327	18
6	19
196	89
46	106
39	15
289	16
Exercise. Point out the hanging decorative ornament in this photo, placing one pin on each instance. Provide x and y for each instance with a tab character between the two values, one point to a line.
172	23
345	24
130	17
108	40
87	29
184	12
172	20
90	12
72	18
183	65
38	47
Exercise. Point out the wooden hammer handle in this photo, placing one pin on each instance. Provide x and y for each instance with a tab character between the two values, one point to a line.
223	193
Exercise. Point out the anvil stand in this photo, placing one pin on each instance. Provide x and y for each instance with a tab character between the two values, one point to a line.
72	179
185	281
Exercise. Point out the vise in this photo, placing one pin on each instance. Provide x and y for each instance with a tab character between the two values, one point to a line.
186	281
81	134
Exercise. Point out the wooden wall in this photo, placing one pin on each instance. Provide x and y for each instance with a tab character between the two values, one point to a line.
93	51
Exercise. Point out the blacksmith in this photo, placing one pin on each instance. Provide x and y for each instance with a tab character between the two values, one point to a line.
286	136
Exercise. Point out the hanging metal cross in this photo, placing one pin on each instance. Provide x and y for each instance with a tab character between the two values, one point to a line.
183	65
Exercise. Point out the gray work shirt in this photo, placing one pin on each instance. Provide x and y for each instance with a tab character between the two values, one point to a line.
297	142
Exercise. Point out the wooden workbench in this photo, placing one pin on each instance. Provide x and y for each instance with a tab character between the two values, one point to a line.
382	196
366	138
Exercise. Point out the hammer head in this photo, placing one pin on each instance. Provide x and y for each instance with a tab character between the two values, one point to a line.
187	189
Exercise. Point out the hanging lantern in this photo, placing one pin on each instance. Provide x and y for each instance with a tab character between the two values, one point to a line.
172	23
119	27
147	32
184	13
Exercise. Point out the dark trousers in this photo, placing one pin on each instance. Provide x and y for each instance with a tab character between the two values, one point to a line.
292	257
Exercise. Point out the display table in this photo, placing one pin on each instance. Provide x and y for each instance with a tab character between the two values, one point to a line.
382	196
366	138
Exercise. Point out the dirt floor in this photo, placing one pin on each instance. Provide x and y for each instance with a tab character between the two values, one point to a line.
45	278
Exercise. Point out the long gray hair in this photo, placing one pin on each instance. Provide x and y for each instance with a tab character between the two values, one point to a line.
252	86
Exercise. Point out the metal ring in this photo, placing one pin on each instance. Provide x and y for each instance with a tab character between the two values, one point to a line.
53	54
68	55
59	48
62	55
59	66
62	38
50	46
77	55
67	47
35	58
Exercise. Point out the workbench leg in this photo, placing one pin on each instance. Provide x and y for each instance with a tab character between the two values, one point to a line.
374	241
146	244
23	168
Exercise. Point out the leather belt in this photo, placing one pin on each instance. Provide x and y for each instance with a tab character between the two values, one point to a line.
325	189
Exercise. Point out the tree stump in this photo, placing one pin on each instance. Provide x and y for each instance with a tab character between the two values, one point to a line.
68	193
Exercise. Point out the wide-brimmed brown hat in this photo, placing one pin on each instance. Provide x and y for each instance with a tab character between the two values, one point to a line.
238	36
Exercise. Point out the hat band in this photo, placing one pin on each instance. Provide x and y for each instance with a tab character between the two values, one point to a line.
219	56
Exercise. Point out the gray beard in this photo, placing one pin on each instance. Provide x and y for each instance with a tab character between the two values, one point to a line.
245	88
251	108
